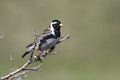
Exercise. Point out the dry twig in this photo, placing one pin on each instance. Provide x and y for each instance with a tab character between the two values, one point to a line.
2	36
23	70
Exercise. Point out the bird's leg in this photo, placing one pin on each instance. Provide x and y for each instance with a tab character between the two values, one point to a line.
39	52
31	56
44	54
51	50
47	52
38	56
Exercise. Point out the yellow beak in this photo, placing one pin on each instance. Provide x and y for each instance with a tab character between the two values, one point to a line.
61	25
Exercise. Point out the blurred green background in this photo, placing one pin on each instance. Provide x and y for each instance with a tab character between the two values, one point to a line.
92	52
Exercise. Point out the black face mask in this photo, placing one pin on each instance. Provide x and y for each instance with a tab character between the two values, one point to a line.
56	27
57	33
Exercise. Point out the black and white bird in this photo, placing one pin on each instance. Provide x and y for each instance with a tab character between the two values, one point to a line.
47	40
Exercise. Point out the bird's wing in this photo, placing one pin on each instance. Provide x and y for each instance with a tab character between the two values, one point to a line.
36	41
29	49
34	45
46	32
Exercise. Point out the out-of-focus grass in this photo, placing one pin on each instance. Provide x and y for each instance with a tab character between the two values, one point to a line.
92	52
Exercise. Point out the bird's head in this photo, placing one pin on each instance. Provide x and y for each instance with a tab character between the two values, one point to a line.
55	25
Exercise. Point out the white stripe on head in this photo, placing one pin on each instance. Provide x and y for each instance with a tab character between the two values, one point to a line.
54	22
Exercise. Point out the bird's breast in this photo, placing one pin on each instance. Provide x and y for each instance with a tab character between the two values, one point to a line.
48	43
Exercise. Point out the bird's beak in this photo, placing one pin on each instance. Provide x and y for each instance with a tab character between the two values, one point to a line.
61	25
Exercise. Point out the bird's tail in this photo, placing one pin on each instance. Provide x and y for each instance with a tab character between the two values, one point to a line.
25	54
29	49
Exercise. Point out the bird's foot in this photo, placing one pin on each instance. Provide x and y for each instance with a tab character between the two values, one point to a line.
38	58
30	59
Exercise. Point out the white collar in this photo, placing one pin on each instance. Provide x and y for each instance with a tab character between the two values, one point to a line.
52	29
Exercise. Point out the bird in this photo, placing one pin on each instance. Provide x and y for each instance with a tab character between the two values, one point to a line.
47	40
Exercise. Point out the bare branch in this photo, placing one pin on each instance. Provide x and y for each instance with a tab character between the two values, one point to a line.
20	69
35	33
24	70
11	62
37	68
64	38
